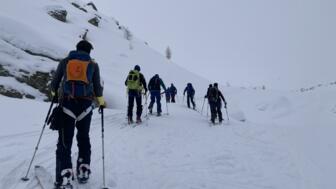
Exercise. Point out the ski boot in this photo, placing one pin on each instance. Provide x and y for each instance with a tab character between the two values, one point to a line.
66	180
130	120
83	173
212	121
138	120
150	111
159	114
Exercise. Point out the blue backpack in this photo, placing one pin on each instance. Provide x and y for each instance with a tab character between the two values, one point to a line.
78	75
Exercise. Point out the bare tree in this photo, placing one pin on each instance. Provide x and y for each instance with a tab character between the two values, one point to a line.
168	53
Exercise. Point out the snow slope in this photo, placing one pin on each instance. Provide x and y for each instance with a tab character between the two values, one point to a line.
288	143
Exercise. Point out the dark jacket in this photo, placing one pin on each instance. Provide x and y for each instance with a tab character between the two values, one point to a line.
61	72
155	84
142	81
221	96
168	91
215	95
173	90
208	91
190	90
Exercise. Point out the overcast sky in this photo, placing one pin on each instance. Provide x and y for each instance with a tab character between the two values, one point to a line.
279	43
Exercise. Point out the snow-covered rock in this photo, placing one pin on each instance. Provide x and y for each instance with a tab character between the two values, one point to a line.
57	12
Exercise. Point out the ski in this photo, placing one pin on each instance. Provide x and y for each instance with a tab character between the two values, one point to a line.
43	177
82	184
45	180
211	124
134	124
158	115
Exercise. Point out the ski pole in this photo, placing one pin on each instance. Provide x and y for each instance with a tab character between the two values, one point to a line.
167	106
202	106
101	110
25	178
146	106
208	110
227	115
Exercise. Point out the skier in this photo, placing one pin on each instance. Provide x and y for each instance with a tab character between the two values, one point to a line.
190	95
135	83
215	96
79	77
168	95
154	86
173	92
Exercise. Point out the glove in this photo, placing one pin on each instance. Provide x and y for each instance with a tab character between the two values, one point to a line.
54	96
101	102
225	105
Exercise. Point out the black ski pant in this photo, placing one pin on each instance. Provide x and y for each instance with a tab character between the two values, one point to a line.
155	95
168	98
190	98
66	133
173	98
134	95
216	108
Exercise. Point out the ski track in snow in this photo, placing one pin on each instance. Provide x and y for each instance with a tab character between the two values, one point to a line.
171	152
174	151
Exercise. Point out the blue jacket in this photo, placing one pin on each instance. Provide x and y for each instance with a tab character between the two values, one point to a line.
190	90
155	84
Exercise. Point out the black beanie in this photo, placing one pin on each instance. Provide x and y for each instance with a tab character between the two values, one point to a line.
137	67
84	46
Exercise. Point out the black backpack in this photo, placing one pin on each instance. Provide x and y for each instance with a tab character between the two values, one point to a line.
213	95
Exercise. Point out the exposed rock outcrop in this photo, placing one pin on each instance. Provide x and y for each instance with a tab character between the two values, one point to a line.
92	5
58	12
10	92
94	21
4	72
38	80
79	7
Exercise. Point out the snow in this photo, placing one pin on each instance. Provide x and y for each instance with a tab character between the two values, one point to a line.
181	150
275	139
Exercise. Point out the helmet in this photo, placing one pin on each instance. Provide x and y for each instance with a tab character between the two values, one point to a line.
137	67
